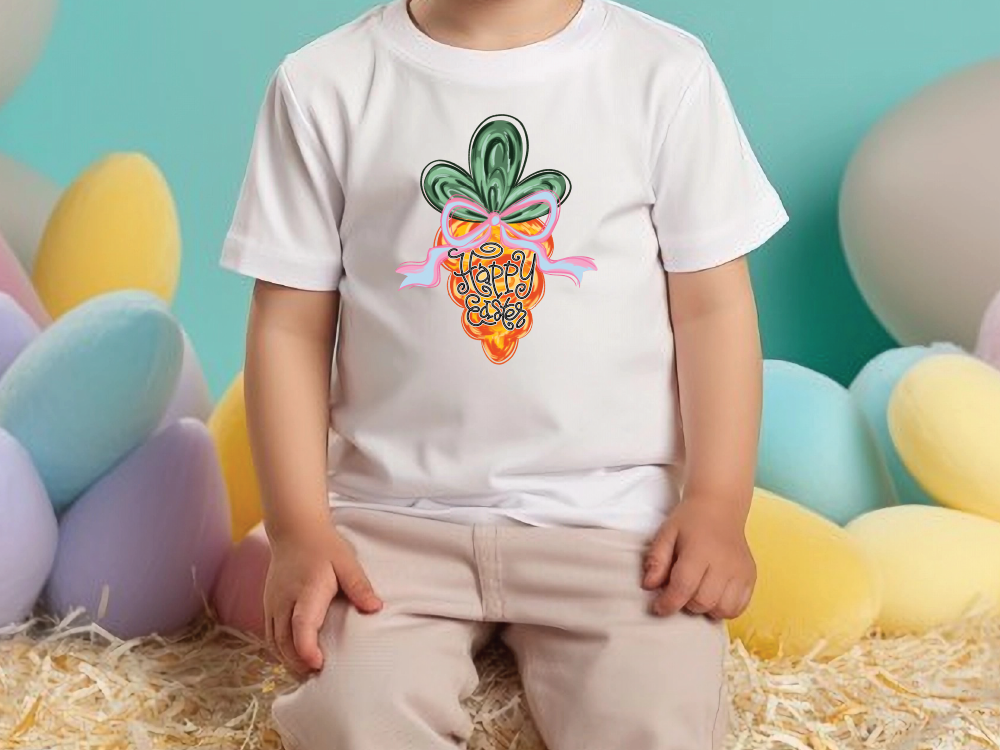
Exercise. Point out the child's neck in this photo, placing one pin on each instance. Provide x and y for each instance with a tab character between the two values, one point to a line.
491	24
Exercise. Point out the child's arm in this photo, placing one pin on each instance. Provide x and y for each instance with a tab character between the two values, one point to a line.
701	551
290	339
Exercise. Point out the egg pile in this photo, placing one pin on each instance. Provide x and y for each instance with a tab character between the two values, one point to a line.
900	471
878	504
116	469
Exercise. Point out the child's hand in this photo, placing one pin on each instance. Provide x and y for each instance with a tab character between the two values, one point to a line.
701	554
306	572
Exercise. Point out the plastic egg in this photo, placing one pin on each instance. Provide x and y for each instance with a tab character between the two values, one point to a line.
114	228
24	27
191	397
814	583
91	387
944	418
228	425
14	282
871	390
17	330
918	215
988	343
238	598
816	447
936	564
141	549
26	202
28	532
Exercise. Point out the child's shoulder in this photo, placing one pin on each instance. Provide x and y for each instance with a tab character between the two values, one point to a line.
340	55
656	40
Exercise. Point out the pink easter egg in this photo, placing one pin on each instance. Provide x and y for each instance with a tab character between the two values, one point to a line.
15	282
238	597
988	345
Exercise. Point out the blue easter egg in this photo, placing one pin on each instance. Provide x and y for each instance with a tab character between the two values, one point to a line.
28	532
871	390
17	330
92	387
141	549
816	447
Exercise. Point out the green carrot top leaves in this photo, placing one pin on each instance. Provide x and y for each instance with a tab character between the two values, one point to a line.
497	154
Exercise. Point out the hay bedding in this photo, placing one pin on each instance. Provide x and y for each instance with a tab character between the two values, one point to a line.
66	686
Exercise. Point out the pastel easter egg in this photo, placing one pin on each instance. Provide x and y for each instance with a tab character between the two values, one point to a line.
114	228
141	549
988	342
228	426
17	330
871	390
814	583
28	532
14	282
816	447
238	598
937	565
27	200
91	387
24	27
191	397
944	418
918	210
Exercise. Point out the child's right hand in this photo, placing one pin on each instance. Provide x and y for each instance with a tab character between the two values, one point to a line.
306	572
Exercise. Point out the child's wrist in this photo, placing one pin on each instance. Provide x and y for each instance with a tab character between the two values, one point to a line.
728	502
296	529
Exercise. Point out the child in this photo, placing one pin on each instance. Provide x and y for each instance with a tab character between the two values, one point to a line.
510	382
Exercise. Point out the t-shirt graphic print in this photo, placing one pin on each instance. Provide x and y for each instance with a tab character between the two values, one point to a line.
495	237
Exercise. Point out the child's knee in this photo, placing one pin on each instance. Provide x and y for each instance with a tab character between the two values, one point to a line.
359	705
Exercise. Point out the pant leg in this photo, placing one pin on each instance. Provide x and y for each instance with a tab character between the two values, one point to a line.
395	679
600	671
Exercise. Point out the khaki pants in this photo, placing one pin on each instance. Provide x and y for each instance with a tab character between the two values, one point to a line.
599	671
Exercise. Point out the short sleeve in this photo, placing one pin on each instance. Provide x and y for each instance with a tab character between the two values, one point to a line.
285	228
713	202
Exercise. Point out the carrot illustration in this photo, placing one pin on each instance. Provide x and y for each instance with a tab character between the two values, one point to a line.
495	236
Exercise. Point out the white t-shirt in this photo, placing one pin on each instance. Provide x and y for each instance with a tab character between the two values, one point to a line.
514	362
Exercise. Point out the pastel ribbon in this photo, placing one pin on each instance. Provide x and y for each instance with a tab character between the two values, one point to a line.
428	271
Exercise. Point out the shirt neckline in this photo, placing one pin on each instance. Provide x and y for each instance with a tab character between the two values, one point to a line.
487	67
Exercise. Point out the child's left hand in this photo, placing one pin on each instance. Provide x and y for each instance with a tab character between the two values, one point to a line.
701	559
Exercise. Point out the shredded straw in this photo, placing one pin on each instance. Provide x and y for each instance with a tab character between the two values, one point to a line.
70	686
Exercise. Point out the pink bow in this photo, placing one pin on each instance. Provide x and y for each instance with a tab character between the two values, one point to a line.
428	271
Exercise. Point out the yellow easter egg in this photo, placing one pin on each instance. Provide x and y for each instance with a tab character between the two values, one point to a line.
813	583
944	418
114	228
228	426
935	564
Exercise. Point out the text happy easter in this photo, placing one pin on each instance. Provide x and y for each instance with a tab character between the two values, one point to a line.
494	291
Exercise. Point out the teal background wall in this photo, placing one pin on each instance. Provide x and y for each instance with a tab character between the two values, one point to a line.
182	81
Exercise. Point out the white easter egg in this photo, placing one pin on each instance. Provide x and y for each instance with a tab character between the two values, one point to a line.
24	27
27	199
918	210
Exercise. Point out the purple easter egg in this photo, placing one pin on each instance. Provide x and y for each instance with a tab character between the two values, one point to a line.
15	282
141	549
17	330
988	345
192	397
28	532
238	598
